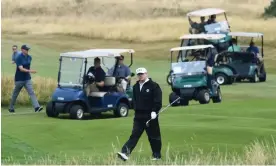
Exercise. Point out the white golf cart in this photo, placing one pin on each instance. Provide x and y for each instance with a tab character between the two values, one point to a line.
189	76
219	41
218	27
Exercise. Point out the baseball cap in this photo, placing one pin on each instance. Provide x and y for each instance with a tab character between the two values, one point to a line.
141	70
25	47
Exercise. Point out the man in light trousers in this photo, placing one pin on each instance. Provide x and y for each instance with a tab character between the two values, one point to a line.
23	79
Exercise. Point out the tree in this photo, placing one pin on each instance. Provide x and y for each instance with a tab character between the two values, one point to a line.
270	11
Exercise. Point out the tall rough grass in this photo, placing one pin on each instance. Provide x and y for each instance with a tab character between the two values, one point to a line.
43	88
126	9
256	153
128	20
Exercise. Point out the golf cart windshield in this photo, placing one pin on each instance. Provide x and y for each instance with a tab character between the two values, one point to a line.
221	27
194	54
189	68
72	69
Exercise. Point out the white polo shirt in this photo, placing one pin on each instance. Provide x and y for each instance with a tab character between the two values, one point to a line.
142	83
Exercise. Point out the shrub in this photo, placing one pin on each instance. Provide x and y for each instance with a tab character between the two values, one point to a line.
43	88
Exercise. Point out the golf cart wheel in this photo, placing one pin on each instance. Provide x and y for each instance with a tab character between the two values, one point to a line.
218	98
122	110
169	79
76	112
221	78
173	96
263	78
204	96
255	77
51	111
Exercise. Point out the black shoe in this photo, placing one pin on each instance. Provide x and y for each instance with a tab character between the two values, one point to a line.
38	109
156	156
11	111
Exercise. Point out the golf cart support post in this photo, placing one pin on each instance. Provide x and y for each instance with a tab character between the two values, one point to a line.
70	95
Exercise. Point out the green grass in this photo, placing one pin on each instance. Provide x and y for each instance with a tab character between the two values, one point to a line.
247	113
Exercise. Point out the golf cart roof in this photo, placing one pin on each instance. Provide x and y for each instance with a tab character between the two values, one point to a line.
203	36
245	34
206	12
92	53
192	47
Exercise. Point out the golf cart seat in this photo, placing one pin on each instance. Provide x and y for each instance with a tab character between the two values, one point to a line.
108	82
244	48
97	94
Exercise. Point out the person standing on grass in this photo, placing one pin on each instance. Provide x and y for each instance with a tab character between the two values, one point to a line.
23	78
147	101
15	53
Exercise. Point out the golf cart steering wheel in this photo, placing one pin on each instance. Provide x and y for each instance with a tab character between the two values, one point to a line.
195	52
89	78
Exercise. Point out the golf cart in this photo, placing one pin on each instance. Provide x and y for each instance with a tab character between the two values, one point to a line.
211	28
71	97
243	64
189	77
219	41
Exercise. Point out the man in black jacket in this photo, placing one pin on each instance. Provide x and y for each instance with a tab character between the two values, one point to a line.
147	100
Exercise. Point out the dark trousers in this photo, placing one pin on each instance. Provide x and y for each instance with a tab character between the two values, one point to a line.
209	81
153	132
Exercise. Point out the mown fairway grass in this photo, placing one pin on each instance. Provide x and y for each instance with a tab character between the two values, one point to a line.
246	114
199	134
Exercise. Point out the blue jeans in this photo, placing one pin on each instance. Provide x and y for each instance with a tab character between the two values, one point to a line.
29	87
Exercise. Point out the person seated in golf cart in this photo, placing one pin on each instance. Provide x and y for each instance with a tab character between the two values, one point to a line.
255	50
212	19
197	28
234	47
252	48
96	76
122	74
